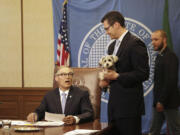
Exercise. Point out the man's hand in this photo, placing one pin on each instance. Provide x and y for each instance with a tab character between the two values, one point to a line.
103	83
111	75
69	120
32	117
159	107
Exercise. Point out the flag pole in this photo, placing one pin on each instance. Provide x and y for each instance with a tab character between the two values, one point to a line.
166	28
63	49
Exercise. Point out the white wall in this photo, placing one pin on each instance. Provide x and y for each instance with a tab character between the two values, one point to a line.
37	40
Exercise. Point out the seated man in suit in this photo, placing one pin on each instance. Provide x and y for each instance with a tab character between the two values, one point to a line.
77	108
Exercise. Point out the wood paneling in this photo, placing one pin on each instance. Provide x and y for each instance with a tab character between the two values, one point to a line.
17	103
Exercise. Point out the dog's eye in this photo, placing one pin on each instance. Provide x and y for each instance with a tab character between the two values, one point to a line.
109	59
104	60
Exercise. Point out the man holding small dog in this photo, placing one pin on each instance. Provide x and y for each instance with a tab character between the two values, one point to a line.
126	101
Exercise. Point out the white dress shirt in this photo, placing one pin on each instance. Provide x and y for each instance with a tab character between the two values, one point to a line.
118	42
67	92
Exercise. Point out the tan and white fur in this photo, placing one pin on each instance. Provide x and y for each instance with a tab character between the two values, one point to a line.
107	62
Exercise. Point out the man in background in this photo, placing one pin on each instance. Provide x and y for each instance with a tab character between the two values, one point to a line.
166	93
66	99
126	101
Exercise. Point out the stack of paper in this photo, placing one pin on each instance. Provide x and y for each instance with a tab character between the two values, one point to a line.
48	123
20	122
81	132
51	120
54	116
39	123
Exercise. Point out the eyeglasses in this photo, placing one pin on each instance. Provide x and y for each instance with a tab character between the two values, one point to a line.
107	28
65	74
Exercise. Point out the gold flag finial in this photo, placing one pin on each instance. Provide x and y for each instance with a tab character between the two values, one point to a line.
65	2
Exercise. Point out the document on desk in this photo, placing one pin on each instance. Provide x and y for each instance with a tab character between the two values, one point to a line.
20	122
81	132
48	123
39	123
54	117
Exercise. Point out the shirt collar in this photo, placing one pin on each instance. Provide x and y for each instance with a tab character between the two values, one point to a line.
162	51
60	91
122	36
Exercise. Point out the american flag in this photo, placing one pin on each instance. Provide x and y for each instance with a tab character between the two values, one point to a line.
63	50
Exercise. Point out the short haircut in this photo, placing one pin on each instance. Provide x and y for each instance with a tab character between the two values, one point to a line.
61	67
162	32
114	16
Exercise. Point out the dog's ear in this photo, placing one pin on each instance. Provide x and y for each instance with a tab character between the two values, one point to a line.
101	60
115	58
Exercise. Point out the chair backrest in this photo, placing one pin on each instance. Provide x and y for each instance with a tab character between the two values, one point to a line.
87	79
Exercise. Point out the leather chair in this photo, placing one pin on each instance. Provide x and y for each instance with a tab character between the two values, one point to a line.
87	79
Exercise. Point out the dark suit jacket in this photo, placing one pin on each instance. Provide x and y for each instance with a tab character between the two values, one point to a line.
166	80
77	104
126	94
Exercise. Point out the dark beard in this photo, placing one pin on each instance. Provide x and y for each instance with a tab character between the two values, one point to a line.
160	47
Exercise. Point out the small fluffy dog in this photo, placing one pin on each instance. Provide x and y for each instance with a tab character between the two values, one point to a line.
107	62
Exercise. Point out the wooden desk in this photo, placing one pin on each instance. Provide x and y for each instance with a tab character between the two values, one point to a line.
55	130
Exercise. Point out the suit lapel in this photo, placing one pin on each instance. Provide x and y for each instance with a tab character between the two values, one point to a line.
111	47
58	101
123	44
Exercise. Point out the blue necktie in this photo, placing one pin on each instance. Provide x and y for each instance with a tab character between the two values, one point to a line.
63	103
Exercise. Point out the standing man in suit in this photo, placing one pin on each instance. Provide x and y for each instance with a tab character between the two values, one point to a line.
77	107
166	93
126	101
